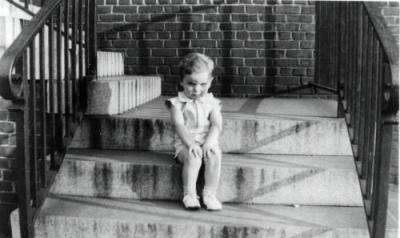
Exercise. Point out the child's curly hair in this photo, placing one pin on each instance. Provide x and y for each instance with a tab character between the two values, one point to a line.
195	62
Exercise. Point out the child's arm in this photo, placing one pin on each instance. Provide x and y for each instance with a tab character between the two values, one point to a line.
215	129
179	125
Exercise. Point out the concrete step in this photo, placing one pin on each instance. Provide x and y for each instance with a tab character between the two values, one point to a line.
110	63
392	216
270	126
112	95
245	178
70	217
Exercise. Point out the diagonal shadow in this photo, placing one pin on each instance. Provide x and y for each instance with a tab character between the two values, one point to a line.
279	184
259	158
284	219
281	134
171	212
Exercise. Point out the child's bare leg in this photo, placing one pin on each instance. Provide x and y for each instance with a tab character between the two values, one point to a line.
211	178
190	172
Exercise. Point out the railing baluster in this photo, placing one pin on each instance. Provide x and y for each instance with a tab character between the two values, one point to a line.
33	125
378	132
92	39
356	74
346	58
86	35
73	60
368	161
42	110
323	60
352	93
66	67
359	80
373	116
334	82
80	63
51	91
362	64
317	41
368	79
329	46
59	80
342	52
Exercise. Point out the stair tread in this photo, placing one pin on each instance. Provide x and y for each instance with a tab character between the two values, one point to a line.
263	216
249	126
263	160
121	77
248	178
251	108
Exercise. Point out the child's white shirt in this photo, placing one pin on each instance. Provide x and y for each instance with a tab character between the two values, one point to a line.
196	114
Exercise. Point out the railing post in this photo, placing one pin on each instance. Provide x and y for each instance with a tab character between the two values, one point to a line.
381	185
19	114
92	68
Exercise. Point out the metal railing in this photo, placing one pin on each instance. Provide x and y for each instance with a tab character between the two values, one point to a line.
357	52
45	72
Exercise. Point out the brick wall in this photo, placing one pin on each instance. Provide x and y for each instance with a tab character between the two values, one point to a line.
8	197
391	14
258	45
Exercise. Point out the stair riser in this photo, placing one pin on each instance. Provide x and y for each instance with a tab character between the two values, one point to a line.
260	185
280	136
61	227
117	96
66	227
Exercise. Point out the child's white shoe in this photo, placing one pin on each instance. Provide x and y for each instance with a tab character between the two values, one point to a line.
191	202
211	202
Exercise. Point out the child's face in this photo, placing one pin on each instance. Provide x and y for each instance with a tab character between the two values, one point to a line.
195	85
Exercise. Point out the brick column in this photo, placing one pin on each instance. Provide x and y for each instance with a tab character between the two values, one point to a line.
8	196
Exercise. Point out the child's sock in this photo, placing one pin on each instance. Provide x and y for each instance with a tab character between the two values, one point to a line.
188	190
209	190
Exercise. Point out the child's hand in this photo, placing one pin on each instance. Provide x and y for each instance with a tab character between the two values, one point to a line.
195	150
208	150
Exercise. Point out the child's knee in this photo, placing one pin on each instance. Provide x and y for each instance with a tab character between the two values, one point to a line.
214	157
193	160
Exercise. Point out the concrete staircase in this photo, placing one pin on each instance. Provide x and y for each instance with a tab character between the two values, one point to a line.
287	170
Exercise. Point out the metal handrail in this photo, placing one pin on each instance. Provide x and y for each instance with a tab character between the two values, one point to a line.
385	36
392	52
47	87
11	85
362	58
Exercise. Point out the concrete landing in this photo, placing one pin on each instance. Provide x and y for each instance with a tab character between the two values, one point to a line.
306	107
249	127
72	217
248	178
